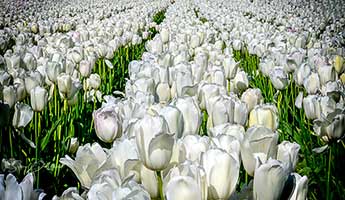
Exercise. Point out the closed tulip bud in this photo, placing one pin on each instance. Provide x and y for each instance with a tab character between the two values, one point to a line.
93	82
252	97
332	128
19	85
207	91
300	187
311	106
164	33
85	68
154	142
108	124
266	66
191	114
73	145
30	61
241	81
195	145
230	67
174	119
9	95
339	64
68	87
312	83
301	73
237	45
279	78
258	140
53	70
22	115
39	98
163	92
288	154
182	188
265	115
326	73
222	172
194	41
269	180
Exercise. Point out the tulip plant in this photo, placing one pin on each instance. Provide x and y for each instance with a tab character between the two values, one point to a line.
172	100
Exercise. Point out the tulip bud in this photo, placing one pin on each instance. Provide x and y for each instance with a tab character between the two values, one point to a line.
300	187
252	97
73	146
326	73
85	68
241	81
182	188
301	73
93	82
53	70
288	154
230	67
194	41
311	106
279	78
265	115
312	83
269	180
222	172
9	95
163	92
68	87
108	125
39	98
22	115
174	119
164	33
339	64
258	140
154	142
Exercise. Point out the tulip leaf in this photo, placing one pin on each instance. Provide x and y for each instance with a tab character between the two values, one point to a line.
46	138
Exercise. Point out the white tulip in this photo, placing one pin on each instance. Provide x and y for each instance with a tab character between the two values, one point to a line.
9	95
88	160
269	180
311	106
154	142
174	119
182	188
222	172
39	98
258	139
288	154
252	97
107	123
312	83
279	78
191	114
265	115
300	188
22	115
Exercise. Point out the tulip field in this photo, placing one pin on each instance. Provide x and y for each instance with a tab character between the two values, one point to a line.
172	100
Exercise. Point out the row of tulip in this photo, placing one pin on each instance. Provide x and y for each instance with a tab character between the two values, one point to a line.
296	59
177	92
52	81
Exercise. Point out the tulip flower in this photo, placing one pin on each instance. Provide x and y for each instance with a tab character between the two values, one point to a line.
69	193
182	188
85	68
108	124
195	145
252	97
241	81
222	172
9	95
88	160
300	187
326	73
53	70
312	83
311	106
173	117
339	65
11	190
279	78
269	180
331	128
265	115
154	142
67	86
39	98
288	153
22	115
191	114
258	139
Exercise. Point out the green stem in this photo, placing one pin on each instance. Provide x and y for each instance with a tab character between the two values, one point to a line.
37	131
160	184
329	172
10	138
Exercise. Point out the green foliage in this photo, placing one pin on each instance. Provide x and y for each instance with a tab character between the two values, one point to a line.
294	127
